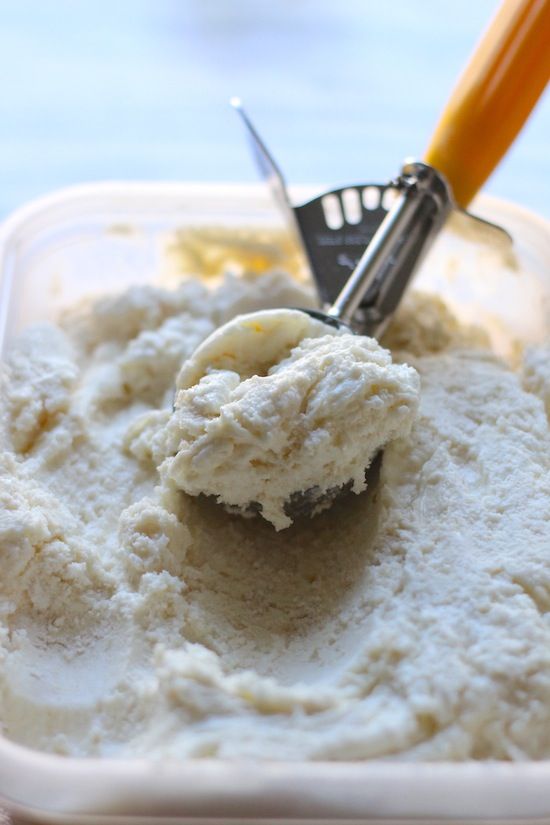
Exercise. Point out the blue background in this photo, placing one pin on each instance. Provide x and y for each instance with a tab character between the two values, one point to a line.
341	91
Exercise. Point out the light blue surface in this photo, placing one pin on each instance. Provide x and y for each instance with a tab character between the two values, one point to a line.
138	89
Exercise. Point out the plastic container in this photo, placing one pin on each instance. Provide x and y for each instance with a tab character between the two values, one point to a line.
101	238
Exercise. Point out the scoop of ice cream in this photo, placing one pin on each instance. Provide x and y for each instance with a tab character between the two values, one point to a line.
276	403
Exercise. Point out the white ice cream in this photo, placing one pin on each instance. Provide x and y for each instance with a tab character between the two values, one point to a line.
276	404
406	623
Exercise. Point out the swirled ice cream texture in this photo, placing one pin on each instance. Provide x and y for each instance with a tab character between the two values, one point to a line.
136	620
277	403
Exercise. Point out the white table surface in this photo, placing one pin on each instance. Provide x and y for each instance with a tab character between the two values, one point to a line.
342	91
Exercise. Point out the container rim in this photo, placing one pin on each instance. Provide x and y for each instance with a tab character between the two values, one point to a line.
124	190
300	791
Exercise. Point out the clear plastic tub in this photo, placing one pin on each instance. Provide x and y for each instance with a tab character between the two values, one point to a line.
102	238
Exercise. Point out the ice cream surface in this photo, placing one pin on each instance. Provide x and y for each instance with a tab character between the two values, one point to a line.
408	622
277	407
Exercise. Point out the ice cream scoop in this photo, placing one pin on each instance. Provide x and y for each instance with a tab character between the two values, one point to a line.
499	85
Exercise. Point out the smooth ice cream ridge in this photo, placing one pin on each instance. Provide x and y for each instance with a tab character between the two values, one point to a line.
276	404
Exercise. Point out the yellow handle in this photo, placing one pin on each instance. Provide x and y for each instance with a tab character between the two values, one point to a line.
493	98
